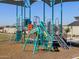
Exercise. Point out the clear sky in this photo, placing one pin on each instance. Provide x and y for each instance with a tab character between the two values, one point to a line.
70	10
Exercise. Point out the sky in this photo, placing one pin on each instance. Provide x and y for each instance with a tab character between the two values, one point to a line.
70	10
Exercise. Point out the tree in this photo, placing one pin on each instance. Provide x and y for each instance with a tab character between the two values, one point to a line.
67	30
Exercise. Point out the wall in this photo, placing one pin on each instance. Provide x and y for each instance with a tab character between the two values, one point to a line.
74	32
9	30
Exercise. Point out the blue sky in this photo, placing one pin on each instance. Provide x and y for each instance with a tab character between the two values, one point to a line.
70	10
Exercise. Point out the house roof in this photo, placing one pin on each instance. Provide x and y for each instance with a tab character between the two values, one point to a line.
77	18
21	3
75	23
1	27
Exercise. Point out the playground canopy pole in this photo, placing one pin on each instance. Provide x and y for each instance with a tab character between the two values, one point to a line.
22	12
17	16
22	17
53	2
44	12
30	10
25	6
24	9
61	18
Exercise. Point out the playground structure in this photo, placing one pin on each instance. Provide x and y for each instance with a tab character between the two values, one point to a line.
22	25
41	35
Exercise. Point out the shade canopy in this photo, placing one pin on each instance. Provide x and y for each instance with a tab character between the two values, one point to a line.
21	2
16	2
58	1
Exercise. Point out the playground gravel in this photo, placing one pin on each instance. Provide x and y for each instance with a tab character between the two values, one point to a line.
15	51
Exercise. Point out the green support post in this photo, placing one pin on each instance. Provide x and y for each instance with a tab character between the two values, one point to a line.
44	12
17	16
53	2
24	19
21	18
24	10
16	20
25	6
61	19
30	10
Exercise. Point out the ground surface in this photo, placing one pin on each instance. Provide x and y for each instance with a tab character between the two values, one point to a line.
10	50
6	37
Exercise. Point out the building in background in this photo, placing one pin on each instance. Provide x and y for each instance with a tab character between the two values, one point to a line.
8	29
73	28
1	29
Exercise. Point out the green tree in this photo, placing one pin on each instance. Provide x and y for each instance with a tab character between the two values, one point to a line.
67	30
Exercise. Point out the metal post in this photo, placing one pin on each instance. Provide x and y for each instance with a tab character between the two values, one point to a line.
61	19
24	19
21	18
17	16
44	12
30	10
53	2
24	11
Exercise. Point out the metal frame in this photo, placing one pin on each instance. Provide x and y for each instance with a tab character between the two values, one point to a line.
52	37
44	12
53	3
61	18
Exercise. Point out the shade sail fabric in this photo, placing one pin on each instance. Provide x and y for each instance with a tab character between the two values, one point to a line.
58	1
21	2
16	2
